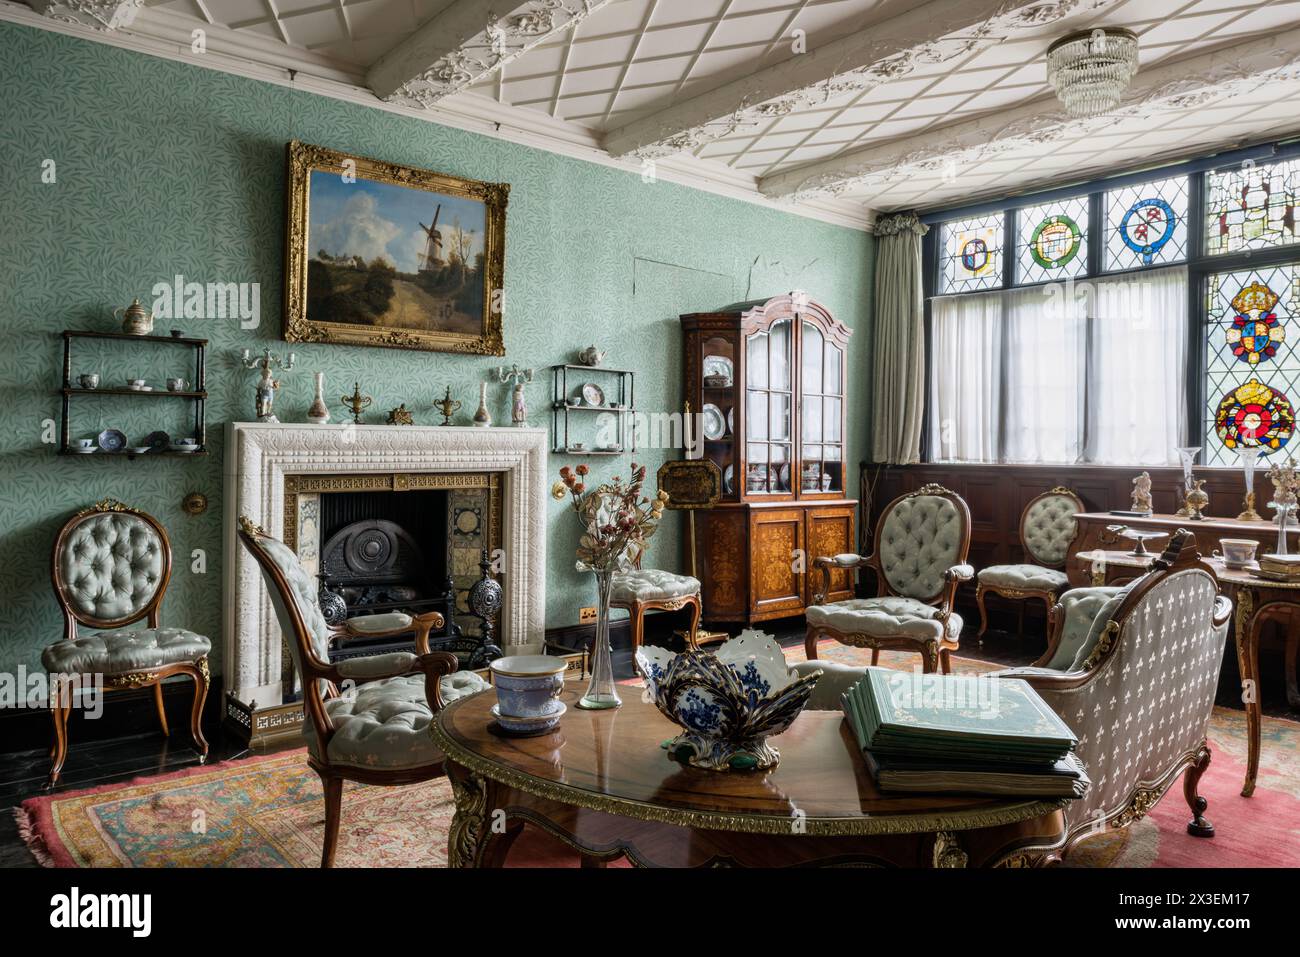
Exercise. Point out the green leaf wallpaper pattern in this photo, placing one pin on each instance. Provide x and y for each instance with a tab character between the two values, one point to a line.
164	168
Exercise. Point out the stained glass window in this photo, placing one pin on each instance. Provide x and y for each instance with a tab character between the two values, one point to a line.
1146	225
1251	207
1052	241
1253	376
972	254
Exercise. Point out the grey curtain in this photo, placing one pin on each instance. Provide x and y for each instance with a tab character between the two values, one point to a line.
898	383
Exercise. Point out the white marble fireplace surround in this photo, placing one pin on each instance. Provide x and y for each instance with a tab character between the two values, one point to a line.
259	455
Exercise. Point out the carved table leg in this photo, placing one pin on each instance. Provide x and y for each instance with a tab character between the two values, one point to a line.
1247	628
479	836
1198	826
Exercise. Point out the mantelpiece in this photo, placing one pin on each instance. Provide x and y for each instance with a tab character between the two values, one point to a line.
261	456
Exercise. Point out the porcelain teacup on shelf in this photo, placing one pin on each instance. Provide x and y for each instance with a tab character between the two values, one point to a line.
89	380
177	385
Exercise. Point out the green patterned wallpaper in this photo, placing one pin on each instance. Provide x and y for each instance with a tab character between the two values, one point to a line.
162	168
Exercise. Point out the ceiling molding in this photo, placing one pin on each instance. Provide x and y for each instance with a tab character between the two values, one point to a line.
169	36
936	32
1180	85
96	14
468	42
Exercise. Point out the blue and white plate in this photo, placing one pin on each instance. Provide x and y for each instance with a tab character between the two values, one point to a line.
111	440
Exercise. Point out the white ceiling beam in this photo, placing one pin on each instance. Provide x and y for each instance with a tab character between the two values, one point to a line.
1182	85
100	15
934	32
468	41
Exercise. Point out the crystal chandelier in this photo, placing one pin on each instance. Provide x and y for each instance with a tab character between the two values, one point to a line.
1090	70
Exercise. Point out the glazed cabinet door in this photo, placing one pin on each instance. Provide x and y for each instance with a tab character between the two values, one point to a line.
776	539
829	531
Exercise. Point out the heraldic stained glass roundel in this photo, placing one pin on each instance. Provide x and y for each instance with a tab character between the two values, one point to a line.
1255	415
1147	226
1055	242
1255	332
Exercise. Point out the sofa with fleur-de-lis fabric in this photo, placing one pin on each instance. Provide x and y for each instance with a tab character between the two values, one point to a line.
1138	688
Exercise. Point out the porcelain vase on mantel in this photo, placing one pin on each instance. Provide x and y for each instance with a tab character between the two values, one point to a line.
319	413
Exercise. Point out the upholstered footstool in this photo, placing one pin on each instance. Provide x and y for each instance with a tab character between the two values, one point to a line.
648	589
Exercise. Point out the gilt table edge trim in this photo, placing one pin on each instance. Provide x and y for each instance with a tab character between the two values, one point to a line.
726	821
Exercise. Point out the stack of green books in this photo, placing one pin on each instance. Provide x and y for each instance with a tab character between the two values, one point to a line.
960	734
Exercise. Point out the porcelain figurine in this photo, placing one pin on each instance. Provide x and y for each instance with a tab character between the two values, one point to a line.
518	406
728	701
1142	493
266	386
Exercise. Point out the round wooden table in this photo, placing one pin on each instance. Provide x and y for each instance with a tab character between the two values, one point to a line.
601	783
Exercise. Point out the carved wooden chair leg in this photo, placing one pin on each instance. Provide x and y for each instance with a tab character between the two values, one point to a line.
59	709
945	661
636	618
1198	826
810	645
162	712
333	787
984	615
693	635
200	675
875	656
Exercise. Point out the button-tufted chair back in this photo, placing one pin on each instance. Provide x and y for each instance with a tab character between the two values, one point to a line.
1145	705
111	565
293	594
1047	527
922	535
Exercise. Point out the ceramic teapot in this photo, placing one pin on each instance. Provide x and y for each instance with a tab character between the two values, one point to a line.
591	356
136	320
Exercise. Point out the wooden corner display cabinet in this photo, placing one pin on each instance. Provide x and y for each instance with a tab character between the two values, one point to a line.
768	381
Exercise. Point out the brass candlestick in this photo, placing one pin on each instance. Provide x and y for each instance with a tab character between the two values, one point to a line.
356	403
447	406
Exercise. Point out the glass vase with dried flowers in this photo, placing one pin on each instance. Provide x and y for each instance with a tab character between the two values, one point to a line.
617	521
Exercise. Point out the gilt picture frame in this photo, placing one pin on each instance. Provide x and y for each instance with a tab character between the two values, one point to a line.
381	254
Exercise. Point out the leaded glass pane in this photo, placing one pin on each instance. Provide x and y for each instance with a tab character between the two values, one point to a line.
971	250
1052	241
1251	207
1253	374
1146	225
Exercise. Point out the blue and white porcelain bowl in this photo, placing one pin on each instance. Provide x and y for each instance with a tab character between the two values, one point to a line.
528	691
728	701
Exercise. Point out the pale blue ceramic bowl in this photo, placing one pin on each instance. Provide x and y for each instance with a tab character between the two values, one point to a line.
528	686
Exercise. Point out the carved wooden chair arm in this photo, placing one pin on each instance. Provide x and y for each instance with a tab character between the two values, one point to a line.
848	561
400	624
953	577
436	665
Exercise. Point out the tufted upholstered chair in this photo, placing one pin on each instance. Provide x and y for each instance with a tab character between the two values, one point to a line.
639	590
110	568
1047	527
922	539
367	718
1133	671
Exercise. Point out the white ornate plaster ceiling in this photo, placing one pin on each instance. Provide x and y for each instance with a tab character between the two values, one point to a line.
889	104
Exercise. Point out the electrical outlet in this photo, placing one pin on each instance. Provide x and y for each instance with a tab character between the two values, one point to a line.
586	615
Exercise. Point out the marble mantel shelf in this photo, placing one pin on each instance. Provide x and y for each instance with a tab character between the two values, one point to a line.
259	455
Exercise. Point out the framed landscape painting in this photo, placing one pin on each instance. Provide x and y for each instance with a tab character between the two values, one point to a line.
384	255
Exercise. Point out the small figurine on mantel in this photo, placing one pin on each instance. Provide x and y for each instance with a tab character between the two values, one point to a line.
1142	494
400	416
266	386
518	407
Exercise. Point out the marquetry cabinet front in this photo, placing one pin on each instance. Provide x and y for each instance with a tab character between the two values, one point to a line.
766	381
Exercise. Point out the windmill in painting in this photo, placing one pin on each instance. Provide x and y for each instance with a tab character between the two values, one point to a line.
431	258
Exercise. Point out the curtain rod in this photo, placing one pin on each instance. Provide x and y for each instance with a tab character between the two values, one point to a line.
1276	150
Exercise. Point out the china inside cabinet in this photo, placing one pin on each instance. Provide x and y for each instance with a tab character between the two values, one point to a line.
768	381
